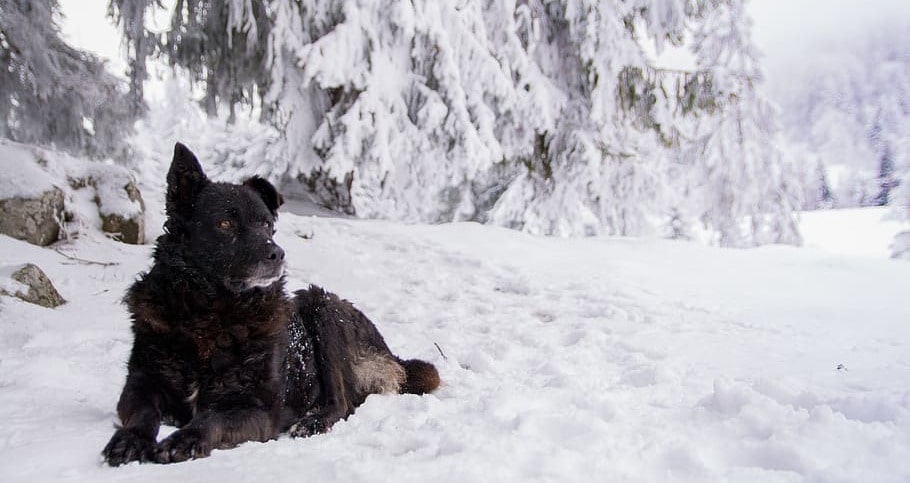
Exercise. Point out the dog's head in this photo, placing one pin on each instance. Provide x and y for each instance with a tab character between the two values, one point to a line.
223	230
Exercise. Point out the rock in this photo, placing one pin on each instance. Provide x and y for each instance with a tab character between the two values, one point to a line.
33	286
35	220
128	229
323	190
37	185
119	202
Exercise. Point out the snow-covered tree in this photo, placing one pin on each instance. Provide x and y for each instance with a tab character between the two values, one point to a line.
744	188
595	167
851	109
537	115
130	16
54	94
886	177
820	196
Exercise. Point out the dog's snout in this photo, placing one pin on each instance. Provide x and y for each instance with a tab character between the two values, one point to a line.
275	253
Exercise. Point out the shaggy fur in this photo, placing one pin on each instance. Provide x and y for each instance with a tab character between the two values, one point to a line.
219	349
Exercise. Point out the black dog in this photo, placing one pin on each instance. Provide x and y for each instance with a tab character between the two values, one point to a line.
220	350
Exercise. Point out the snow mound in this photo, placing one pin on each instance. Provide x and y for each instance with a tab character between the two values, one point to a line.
22	176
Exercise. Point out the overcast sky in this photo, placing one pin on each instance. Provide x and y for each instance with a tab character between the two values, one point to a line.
788	32
85	25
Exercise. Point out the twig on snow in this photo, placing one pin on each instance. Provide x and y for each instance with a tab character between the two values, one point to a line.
443	354
87	262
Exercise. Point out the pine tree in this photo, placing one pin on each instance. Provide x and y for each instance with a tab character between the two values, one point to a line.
823	196
53	94
743	180
886	180
596	167
845	106
540	116
130	15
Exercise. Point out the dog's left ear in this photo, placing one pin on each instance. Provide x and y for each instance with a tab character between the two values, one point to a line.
267	192
185	180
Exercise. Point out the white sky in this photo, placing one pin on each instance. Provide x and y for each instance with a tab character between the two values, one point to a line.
788	32
793	32
85	25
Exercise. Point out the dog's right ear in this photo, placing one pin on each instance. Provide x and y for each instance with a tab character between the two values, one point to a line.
185	180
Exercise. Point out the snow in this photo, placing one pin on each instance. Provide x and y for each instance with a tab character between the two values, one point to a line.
596	359
89	187
861	232
8	284
22	176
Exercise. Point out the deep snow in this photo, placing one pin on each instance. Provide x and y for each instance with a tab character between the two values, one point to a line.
599	359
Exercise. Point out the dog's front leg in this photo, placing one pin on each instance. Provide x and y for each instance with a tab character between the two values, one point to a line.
216	429
140	416
246	412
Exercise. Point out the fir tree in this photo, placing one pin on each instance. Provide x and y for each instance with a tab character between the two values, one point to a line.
53	94
541	116
886	179
742	178
847	106
824	198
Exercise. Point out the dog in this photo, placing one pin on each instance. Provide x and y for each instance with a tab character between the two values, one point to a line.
221	351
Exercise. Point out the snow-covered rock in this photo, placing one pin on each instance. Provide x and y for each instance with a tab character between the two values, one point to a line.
29	283
31	203
44	195
34	219
119	202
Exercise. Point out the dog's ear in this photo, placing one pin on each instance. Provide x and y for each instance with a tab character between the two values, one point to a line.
267	192
185	180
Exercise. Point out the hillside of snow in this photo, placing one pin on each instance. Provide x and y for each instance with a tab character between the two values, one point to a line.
599	359
860	232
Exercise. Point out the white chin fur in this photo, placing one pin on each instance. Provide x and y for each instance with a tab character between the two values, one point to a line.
261	282
258	280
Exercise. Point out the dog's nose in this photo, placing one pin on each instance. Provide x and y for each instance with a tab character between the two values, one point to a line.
276	254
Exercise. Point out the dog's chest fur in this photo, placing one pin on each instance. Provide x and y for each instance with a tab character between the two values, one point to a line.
207	344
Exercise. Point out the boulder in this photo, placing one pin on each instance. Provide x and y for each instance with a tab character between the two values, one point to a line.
37	189
127	228
33	219
119	202
30	284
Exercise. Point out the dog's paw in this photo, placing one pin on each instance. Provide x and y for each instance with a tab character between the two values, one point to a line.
307	426
126	446
184	444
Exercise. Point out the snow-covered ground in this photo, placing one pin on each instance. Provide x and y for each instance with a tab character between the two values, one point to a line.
597	359
861	232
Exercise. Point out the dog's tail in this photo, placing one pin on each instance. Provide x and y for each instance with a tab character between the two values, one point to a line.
421	377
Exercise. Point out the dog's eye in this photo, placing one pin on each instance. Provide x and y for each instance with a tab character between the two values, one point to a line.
227	225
